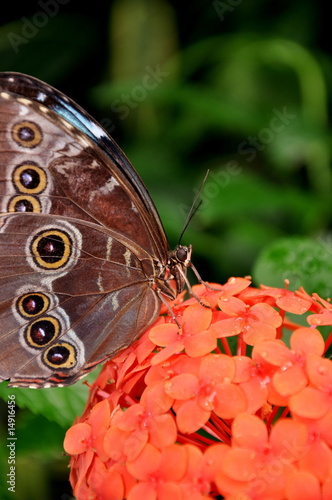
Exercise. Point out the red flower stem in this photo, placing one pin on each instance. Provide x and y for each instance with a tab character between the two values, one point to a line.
226	347
284	413
195	439
102	394
272	416
209	429
217	350
241	346
289	325
130	400
222	428
328	342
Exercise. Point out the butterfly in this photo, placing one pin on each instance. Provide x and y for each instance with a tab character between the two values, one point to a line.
84	260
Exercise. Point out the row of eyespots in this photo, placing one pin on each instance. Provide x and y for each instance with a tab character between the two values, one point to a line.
29	179
44	330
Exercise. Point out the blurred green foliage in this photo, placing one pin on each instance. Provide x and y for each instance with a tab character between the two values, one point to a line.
240	88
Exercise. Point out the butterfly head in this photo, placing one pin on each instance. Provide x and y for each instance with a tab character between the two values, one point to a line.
178	262
182	255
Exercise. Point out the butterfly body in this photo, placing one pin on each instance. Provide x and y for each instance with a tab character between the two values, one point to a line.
84	256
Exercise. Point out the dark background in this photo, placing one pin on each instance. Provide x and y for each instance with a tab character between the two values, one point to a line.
229	70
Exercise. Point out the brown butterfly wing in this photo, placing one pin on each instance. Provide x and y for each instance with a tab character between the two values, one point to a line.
81	243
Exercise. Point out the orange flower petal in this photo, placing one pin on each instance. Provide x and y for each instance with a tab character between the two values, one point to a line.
318	460
310	403
230	400
212	459
155	399
289	380
167	491
144	348
106	484
79	471
99	420
194	460
112	487
183	364
130	418
164	334
135	443
201	343
258	331
163	431
266	314
142	490
320	319
190	417
244	368
289	439
256	394
194	484
173	464
78	438
182	387
274	398
114	442
232	306
216	369
327	489
174	348
303	486
230	488
249	432
196	318
146	464
228	327
235	285
293	304
273	352
307	340
325	427
319	371
240	464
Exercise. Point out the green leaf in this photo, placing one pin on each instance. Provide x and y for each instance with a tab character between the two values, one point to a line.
303	261
57	404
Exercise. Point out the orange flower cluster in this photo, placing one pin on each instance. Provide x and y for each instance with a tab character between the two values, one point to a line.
236	404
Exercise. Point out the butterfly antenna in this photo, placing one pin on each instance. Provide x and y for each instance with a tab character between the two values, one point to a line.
194	207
